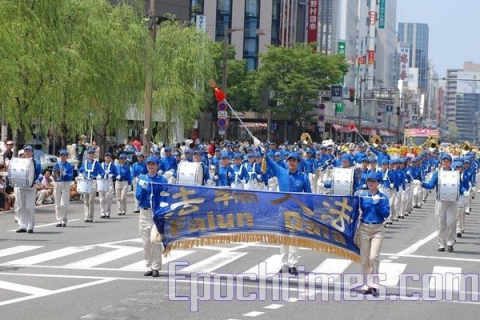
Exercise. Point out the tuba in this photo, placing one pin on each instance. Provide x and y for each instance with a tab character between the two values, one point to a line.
432	144
376	141
305	138
465	147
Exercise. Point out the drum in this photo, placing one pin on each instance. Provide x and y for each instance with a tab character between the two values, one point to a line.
190	173
342	182
103	185
21	172
237	185
250	185
448	185
85	186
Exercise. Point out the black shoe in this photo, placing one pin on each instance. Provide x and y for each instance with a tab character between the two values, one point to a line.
102	217
64	225
90	220
396	219
467	213
374	292
450	248
21	230
293	270
149	273
86	220
108	217
389	222
136	211
59	225
155	273
441	249
367	291
459	234
402	217
29	230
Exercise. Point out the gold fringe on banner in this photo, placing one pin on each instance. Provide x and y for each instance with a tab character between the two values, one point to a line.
262	238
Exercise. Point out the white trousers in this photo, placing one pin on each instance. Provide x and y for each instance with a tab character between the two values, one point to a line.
289	255
417	196
62	200
461	214
89	202
446	216
42	194
398	202
152	249
106	199
134	187
390	193
121	188
371	238
26	208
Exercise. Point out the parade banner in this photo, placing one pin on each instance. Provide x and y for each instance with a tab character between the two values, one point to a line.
196	216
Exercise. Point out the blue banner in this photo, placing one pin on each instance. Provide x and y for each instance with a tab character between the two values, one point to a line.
196	215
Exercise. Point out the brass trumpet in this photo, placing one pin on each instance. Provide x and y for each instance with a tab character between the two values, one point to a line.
432	144
376	141
305	137
465	147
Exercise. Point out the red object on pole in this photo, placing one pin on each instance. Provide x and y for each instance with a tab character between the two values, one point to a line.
219	94
351	126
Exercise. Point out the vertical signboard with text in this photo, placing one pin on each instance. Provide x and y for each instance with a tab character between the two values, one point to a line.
312	21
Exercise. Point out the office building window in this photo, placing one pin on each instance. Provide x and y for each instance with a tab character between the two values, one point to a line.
276	17
224	18
250	42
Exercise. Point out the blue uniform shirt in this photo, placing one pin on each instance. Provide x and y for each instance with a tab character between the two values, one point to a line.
124	173
110	170
66	170
374	212
139	168
290	181
150	196
225	175
92	167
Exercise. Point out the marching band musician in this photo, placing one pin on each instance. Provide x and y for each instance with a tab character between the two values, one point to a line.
387	187
90	170
360	181
197	157
416	174
123	180
26	198
445	211
168	162
470	175
262	178
290	180
381	154
138	168
457	165
63	173
400	183
250	167
375	209
407	199
372	165
106	197
240	172
224	174
150	186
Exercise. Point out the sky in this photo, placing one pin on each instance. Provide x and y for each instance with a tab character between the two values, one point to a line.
454	29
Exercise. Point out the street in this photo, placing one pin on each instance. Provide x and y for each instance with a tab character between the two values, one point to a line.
95	271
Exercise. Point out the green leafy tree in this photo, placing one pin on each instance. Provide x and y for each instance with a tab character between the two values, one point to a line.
183	64
452	135
293	76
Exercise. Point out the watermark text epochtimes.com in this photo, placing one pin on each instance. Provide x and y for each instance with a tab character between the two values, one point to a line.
197	287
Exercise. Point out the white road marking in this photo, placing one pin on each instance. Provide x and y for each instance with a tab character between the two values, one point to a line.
253	314
414	247
17	249
23	288
214	262
48	256
46	225
273	306
174	255
392	272
104	257
433	257
386	261
335	266
442	279
272	265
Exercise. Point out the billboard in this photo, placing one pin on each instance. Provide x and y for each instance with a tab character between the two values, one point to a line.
312	21
404	59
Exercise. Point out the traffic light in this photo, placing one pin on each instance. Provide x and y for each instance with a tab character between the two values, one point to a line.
398	111
351	93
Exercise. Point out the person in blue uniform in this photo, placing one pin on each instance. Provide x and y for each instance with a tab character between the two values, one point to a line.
90	170
138	168
26	198
123	180
148	192
168	161
106	197
241	174
197	157
63	173
375	209
290	180
381	154
445	211
224	174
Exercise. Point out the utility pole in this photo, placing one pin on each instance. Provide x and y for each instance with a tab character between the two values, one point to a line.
147	132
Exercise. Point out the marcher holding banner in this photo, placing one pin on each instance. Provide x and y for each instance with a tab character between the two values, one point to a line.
289	180
375	209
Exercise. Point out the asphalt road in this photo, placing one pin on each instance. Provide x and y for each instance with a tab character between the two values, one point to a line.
95	271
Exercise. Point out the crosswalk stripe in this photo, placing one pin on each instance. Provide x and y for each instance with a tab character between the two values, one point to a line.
440	281
214	262
174	255
104	258
49	255
392	272
23	288
329	266
271	264
17	249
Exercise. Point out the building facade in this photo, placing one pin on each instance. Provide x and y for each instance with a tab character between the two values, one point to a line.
416	35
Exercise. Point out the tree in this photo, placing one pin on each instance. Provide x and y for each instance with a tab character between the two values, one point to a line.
294	75
183	64
452	135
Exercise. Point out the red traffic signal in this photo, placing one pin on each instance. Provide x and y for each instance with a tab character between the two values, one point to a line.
351	94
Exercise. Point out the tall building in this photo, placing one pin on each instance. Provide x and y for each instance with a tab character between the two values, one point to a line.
416	36
386	47
450	96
